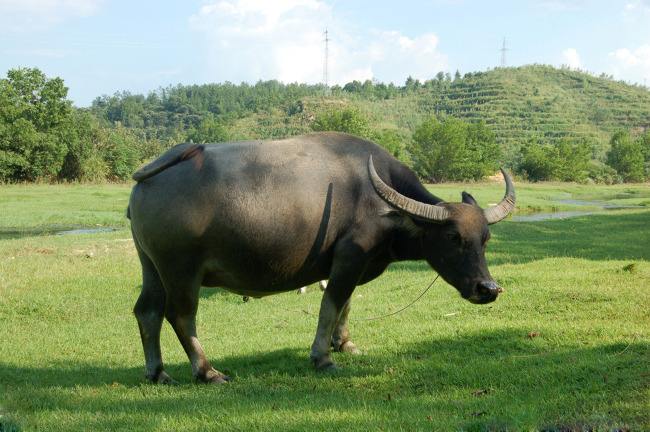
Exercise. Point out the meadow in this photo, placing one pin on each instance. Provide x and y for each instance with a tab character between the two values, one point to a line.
565	348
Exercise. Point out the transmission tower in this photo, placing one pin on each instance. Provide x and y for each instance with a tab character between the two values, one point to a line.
503	53
326	62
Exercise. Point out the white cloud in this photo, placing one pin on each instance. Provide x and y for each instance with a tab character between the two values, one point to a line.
572	58
256	39
636	6
632	64
31	15
637	11
561	5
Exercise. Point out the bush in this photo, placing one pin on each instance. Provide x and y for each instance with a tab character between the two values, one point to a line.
644	141
537	162
94	169
454	150
567	161
209	130
391	141
626	157
602	173
120	152
349	120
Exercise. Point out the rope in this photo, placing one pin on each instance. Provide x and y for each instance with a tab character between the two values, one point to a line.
399	310
391	313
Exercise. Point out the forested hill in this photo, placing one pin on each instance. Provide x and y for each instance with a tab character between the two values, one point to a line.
521	104
543	123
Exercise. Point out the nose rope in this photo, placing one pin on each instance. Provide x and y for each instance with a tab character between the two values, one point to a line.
306	312
399	310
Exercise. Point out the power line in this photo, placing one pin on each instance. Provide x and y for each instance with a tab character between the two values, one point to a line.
503	53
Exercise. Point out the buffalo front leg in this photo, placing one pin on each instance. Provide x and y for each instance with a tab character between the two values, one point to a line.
149	311
346	270
341	338
181	308
327	319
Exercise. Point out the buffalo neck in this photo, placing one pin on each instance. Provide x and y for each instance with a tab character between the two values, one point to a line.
407	245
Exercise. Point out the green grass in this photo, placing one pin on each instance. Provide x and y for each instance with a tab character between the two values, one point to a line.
566	347
548	196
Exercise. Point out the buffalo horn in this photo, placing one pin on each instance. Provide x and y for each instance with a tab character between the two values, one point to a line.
428	212
507	204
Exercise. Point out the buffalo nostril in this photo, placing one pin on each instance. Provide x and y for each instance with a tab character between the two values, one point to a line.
488	288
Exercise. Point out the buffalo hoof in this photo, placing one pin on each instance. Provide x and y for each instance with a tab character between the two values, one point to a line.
162	378
324	364
212	376
349	347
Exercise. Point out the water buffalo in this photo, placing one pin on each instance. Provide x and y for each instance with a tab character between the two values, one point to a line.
259	218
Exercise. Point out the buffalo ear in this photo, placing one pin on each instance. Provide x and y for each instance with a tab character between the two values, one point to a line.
468	199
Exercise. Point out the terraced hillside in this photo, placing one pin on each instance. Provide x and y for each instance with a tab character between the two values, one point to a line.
545	102
520	104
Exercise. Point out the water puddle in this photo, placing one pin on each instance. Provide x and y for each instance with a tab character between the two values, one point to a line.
16	233
601	204
599	207
538	217
86	231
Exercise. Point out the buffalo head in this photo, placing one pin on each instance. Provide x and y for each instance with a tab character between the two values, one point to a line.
454	236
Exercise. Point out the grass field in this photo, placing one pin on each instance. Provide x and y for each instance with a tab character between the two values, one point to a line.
566	347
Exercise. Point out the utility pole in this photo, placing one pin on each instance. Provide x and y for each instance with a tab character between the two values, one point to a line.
503	53
326	62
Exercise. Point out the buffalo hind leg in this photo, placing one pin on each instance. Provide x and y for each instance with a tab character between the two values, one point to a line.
149	311
341	338
182	304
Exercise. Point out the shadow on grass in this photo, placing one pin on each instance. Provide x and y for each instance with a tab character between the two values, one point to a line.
493	380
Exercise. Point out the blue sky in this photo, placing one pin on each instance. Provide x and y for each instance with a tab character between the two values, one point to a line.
103	46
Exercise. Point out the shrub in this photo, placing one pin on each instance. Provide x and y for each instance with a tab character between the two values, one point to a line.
626	157
209	130
567	161
118	147
602	173
349	120
391	141
454	150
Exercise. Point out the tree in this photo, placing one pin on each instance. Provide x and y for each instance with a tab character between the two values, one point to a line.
209	130
644	141
626	157
119	149
573	160
537	162
566	161
390	140
83	134
349	120
454	150
33	114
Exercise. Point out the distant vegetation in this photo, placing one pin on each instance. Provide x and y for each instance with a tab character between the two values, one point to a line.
542	122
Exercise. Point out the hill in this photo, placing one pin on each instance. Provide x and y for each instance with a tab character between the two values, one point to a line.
519	104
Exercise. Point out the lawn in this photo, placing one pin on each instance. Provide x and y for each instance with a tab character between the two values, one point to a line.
566	347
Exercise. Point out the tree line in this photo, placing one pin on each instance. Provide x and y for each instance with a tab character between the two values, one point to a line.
44	138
